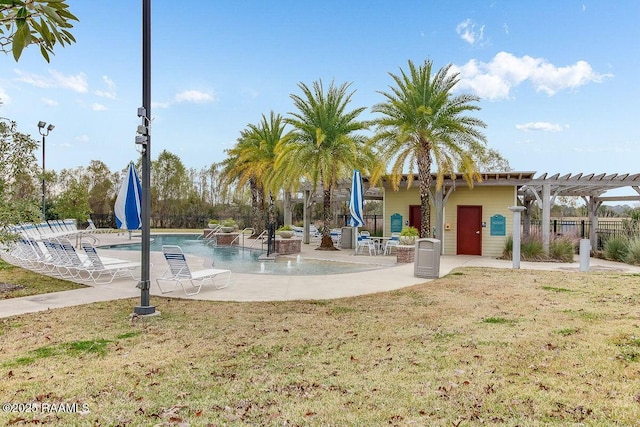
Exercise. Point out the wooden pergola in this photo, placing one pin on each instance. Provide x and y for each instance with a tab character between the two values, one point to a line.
591	187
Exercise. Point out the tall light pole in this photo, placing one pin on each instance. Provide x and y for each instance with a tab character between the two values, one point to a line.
44	131
144	139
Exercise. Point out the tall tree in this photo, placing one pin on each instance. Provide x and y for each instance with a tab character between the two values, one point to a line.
73	200
101	187
252	161
169	182
324	145
422	122
492	161
19	201
40	22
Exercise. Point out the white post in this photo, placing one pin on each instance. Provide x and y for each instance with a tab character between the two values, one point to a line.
516	234
546	217
585	254
355	240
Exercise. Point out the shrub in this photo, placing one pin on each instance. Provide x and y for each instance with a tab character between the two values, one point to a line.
410	232
213	221
633	252
508	248
615	248
561	249
285	228
229	222
531	249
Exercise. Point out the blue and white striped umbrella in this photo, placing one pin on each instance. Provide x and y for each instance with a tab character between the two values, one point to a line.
357	200
128	202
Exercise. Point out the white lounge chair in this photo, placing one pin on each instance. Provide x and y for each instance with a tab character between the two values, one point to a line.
179	272
58	262
110	267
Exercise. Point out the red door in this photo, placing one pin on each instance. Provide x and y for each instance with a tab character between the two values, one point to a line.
469	230
415	217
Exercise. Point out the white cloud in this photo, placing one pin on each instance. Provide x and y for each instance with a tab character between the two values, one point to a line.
33	79
497	78
49	102
111	89
468	32
77	83
194	96
540	126
98	107
82	138
5	99
160	104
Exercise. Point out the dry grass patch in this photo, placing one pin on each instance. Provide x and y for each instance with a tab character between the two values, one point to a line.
480	346
18	282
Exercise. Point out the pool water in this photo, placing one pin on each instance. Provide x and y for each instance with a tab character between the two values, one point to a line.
244	260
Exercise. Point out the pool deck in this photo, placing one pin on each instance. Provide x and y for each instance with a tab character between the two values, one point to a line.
265	287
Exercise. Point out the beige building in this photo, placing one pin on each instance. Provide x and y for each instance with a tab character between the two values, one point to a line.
474	221
478	221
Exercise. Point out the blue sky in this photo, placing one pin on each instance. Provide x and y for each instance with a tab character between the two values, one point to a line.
558	79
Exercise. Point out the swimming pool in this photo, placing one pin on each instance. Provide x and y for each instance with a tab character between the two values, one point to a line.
243	260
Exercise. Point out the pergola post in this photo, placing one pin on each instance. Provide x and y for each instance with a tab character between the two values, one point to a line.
546	217
439	211
593	204
306	214
516	235
287	208
526	219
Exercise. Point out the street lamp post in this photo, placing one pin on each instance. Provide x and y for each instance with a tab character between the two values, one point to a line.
144	139
44	131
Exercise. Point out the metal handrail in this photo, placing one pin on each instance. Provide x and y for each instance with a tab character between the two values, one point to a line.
243	233
212	236
259	238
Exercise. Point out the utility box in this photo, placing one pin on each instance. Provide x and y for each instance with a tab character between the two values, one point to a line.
427	258
346	238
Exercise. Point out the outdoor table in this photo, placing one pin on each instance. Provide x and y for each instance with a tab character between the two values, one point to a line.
379	243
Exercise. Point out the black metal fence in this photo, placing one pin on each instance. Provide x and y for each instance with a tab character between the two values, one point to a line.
581	229
163	221
373	223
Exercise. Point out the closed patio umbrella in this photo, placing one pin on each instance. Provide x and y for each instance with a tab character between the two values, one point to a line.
128	202
356	203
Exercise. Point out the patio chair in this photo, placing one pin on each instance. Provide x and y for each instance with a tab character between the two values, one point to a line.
364	241
392	243
336	234
110	267
179	272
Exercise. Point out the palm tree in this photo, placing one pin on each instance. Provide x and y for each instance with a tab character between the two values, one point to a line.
252	159
324	145
423	122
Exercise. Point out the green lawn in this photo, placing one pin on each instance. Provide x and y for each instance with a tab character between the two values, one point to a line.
478	347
